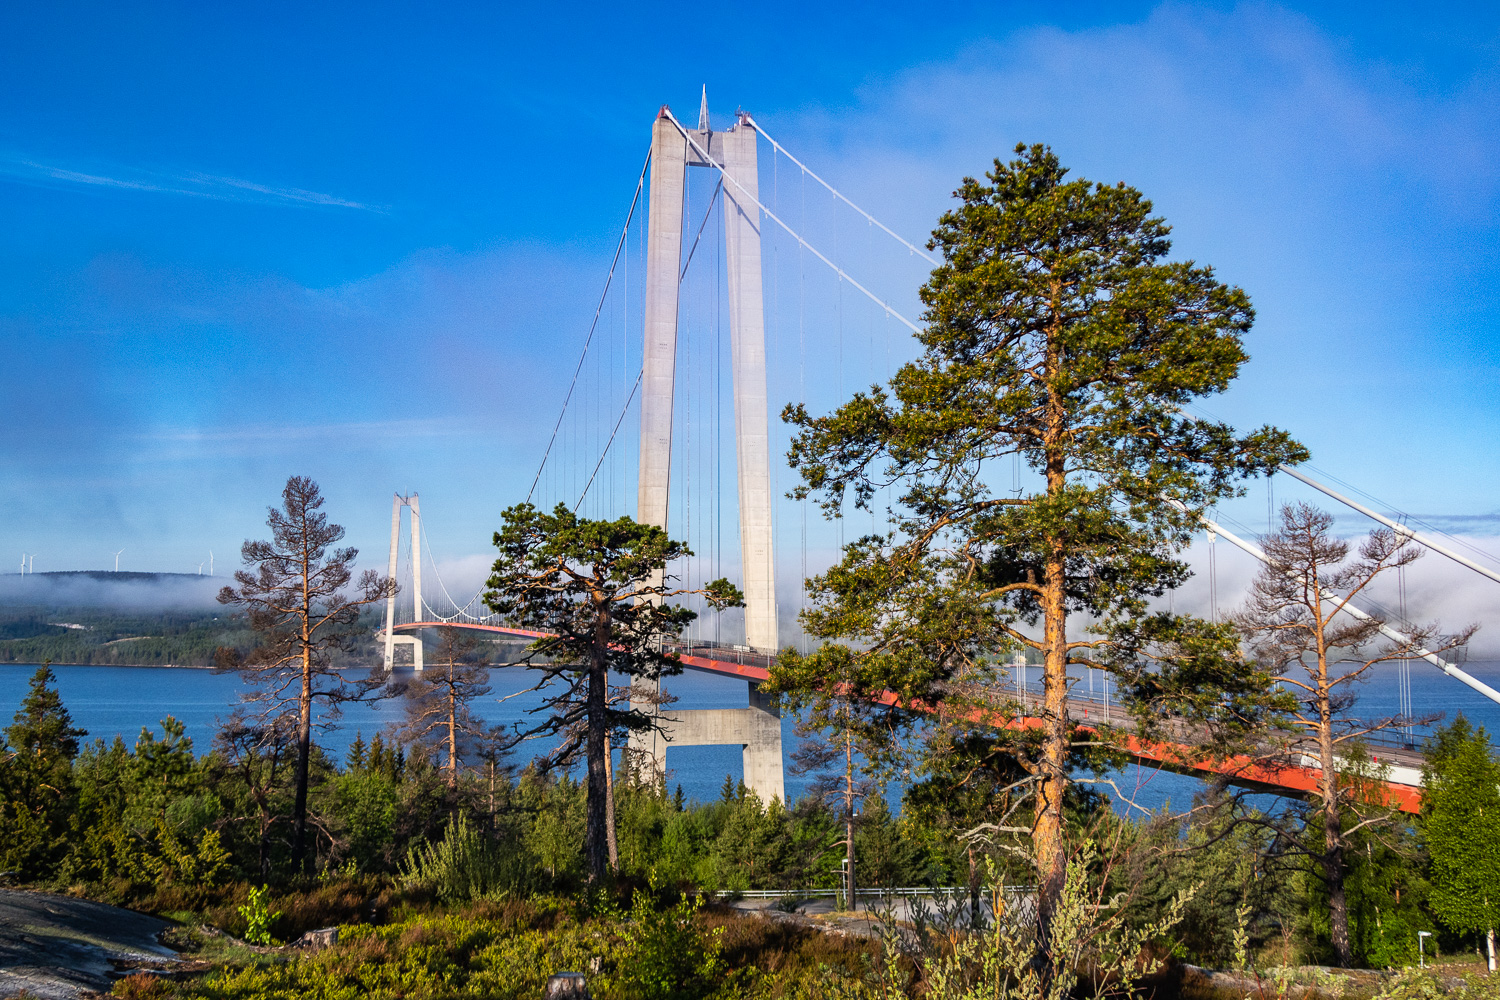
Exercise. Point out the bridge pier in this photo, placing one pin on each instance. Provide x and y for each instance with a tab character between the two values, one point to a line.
756	729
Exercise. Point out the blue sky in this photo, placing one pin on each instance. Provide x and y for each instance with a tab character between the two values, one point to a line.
363	243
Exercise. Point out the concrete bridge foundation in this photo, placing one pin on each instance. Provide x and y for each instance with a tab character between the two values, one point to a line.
756	729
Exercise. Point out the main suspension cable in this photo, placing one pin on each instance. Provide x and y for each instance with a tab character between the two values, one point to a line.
868	217
890	310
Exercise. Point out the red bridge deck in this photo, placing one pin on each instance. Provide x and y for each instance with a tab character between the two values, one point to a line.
1241	770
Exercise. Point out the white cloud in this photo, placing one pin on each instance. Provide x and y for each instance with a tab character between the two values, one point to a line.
191	184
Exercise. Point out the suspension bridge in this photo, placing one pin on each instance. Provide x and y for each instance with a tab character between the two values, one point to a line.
654	349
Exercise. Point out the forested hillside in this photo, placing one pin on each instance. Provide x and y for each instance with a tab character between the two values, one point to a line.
100	636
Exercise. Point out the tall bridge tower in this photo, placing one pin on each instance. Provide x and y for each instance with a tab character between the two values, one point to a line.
733	152
413	504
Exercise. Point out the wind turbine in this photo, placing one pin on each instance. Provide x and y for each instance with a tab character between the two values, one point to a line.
117	561
23	564
31	564
200	569
210	562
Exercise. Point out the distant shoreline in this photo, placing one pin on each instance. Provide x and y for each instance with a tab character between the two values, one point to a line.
64	663
160	666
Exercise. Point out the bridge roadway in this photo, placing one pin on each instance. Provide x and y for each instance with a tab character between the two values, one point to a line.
1299	775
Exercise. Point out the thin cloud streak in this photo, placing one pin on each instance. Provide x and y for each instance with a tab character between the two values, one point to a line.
308	432
192	185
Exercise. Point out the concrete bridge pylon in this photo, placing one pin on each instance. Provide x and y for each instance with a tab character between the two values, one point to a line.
413	504
758	727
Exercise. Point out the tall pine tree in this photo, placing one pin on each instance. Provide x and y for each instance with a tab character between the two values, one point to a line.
36	780
1058	335
1461	807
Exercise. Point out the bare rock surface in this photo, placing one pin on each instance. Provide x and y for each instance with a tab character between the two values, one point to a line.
58	948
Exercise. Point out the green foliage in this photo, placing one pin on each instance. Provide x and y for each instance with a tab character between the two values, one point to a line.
37	790
465	865
366	805
1389	897
258	918
1410	984
1461	811
508	953
671	957
1089	933
112	637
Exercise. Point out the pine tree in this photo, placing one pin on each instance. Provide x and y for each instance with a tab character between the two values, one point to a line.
1294	621
437	701
1461	808
36	780
1058	336
355	761
598	593
293	588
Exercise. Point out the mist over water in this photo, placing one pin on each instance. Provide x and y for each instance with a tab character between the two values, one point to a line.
104	589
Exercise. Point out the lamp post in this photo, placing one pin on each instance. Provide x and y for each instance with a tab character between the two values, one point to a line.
1421	953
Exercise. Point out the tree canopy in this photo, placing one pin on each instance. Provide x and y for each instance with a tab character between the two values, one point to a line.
597	592
1461	808
1059	337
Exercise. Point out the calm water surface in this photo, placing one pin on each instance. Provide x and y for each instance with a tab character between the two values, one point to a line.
110	701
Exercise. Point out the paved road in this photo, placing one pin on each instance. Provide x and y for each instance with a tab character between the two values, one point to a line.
58	948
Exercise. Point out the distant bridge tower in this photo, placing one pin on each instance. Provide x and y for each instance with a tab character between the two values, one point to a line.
672	152
391	638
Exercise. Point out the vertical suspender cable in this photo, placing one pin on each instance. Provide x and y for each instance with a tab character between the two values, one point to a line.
624	232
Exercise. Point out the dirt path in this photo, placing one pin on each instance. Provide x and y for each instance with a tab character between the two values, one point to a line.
59	948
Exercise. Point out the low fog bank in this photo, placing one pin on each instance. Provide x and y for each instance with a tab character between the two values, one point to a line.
103	589
1437	590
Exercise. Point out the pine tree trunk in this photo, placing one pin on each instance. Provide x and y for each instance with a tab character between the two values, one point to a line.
596	845
452	730
973	889
1333	841
609	806
301	861
1047	827
849	820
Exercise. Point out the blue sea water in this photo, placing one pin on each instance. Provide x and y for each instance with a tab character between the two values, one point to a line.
110	701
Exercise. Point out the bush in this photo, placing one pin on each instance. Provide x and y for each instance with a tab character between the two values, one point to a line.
258	918
671	958
465	865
